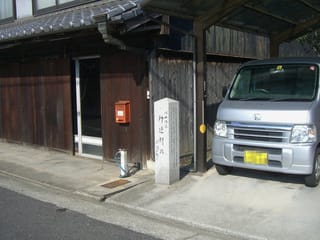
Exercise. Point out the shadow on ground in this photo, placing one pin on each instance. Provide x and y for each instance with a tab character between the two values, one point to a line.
269	176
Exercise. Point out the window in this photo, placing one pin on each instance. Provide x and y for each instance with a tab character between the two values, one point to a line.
44	6
283	82
7	8
41	4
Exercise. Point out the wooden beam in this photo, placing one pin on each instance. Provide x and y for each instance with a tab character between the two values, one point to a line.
201	73
269	14
215	14
174	8
310	5
297	30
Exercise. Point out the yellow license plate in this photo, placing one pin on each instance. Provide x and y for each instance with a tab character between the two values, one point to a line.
255	157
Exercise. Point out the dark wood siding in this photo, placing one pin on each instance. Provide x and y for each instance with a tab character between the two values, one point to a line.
219	40
123	77
224	41
235	43
172	77
9	94
229	42
35	103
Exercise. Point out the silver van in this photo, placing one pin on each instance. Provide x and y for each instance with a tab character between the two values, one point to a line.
270	119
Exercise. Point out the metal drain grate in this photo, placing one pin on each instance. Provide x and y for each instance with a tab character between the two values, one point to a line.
116	183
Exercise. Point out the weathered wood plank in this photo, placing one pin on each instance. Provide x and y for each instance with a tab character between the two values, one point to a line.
123	77
36	103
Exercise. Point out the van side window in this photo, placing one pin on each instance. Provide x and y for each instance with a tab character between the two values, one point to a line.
243	86
305	84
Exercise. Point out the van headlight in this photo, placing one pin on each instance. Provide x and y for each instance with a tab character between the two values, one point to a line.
303	134
220	128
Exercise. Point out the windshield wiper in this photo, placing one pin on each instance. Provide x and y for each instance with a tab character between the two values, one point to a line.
290	99
254	99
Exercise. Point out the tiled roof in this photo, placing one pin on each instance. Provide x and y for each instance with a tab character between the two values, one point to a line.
70	19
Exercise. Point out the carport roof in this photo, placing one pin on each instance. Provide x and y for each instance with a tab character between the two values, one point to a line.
281	20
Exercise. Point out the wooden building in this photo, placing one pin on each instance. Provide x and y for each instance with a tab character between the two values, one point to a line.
65	64
63	68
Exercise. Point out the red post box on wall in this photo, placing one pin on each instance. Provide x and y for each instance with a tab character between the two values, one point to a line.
122	111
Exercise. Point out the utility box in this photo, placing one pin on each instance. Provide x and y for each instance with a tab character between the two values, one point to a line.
122	112
166	141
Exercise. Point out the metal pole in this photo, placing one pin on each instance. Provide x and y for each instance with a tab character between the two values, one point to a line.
194	105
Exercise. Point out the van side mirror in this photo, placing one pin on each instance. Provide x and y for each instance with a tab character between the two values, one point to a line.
224	91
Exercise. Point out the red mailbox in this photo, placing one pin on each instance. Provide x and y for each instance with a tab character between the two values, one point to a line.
122	111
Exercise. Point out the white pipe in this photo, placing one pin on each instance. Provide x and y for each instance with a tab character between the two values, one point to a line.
78	105
123	163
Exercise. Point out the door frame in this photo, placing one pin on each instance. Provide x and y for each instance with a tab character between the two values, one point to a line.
79	138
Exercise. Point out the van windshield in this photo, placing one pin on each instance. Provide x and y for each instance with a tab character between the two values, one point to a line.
276	83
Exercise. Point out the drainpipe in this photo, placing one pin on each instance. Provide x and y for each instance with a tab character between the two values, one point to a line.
108	38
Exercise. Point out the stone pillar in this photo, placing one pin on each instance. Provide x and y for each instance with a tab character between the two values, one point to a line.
166	141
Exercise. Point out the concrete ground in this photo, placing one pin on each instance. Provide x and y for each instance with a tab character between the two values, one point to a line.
243	205
66	172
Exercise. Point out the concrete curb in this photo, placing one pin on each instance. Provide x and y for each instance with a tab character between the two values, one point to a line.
205	227
32	181
140	210
71	191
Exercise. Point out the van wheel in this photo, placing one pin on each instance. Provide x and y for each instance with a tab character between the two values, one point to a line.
313	179
223	170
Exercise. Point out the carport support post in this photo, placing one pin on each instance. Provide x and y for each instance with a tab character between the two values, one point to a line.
200	96
274	48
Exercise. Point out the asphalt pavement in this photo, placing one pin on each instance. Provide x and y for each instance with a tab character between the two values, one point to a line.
243	205
24	218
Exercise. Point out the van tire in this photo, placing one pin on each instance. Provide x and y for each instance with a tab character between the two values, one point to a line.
223	170
313	179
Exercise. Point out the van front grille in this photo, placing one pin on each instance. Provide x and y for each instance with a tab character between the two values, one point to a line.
260	133
242	148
